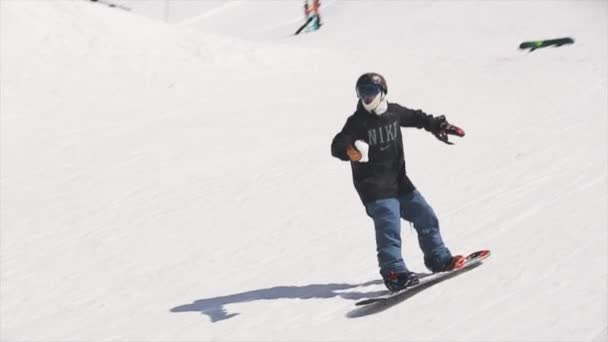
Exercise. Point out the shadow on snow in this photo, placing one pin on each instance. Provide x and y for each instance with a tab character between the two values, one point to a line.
214	307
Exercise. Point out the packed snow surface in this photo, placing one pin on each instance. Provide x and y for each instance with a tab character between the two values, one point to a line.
173	181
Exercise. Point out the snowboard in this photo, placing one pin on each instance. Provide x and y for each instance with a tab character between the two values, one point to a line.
471	260
533	45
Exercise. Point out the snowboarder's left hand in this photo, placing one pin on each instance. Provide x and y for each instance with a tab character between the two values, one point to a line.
442	128
352	153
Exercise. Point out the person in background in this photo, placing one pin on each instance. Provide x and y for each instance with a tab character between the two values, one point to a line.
311	16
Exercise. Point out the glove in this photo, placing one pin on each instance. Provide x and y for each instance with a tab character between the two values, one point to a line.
441	128
352	153
363	149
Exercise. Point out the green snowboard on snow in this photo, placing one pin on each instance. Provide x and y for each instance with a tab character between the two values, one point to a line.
537	44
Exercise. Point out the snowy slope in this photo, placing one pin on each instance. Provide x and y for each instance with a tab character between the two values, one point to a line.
174	182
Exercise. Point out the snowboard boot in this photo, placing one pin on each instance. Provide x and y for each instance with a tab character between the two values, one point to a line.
397	281
454	263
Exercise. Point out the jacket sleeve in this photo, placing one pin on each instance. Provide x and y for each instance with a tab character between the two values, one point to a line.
414	118
346	137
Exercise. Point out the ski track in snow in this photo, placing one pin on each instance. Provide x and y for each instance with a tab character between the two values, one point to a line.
174	182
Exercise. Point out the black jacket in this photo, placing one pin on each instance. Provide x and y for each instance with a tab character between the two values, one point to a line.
384	175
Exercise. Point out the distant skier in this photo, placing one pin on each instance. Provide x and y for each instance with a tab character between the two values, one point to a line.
313	20
371	140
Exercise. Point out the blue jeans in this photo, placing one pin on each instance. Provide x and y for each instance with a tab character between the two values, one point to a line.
412	207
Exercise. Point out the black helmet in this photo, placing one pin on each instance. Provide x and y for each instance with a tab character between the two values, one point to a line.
370	82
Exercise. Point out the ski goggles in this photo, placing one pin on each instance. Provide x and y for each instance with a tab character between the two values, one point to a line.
368	92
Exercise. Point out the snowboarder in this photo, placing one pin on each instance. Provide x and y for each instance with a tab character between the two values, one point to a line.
311	17
371	140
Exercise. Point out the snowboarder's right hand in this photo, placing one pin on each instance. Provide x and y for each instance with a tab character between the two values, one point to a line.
353	153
